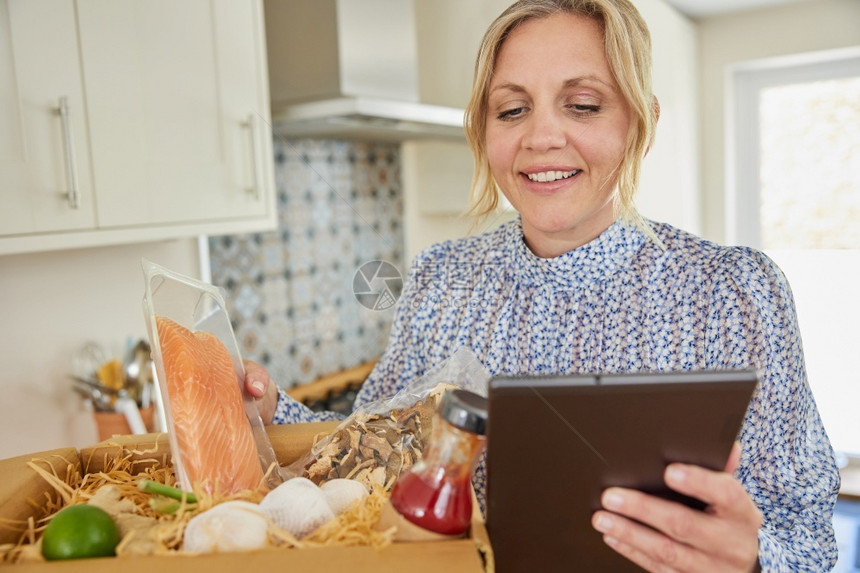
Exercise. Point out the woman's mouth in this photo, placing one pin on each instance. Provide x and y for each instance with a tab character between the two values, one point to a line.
550	176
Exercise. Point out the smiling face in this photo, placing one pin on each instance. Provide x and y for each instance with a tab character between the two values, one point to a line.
556	130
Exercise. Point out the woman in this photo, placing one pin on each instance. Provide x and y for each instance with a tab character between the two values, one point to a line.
560	118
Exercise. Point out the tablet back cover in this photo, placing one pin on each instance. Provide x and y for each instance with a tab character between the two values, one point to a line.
554	444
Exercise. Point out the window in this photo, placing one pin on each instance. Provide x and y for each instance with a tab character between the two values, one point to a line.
794	191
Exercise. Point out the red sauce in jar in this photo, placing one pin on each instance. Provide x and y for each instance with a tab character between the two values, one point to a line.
436	493
444	507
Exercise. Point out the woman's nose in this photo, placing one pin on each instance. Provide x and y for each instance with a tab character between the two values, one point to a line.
544	133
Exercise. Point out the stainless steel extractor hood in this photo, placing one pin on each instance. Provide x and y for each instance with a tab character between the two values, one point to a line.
349	68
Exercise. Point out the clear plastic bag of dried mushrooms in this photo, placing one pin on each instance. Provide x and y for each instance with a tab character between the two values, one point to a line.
382	439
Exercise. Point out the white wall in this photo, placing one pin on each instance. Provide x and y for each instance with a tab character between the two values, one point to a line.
730	39
669	191
436	179
51	304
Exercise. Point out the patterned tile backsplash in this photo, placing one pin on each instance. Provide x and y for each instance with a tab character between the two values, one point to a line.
311	298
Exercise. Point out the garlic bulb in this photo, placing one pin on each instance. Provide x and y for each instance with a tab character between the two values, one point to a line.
298	506
340	493
230	526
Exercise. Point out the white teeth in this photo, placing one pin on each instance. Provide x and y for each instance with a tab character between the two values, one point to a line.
547	176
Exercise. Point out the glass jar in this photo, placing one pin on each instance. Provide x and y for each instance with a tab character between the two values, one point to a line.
436	493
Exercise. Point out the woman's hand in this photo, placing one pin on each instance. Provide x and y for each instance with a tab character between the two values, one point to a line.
260	386
724	537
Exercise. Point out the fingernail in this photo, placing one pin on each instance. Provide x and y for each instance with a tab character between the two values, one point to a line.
603	523
612	500
610	541
676	474
258	386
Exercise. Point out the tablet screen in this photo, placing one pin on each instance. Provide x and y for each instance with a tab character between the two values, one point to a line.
555	443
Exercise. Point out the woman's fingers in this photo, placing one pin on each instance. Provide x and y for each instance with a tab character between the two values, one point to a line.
256	379
260	386
723	494
661	535
669	518
646	547
734	458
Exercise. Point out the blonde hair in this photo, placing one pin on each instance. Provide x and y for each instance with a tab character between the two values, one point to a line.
627	43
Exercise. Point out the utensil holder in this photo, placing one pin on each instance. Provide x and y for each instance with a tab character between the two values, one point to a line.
110	424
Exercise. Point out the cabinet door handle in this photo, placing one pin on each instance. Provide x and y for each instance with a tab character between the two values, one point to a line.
251	124
73	194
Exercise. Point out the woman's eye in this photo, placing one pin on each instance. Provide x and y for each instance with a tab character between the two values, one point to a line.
584	109
512	113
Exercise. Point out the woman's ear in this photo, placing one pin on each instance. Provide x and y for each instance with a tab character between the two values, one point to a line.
655	108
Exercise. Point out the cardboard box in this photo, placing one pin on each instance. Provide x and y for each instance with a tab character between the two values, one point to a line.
20	485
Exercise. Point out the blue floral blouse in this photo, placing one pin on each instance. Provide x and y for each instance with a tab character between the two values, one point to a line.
623	303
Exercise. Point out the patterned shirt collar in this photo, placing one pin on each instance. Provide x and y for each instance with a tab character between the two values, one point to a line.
613	249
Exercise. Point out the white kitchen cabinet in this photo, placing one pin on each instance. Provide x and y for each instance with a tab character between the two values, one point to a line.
175	130
40	149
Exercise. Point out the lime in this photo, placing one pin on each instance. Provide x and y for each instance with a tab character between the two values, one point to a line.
80	531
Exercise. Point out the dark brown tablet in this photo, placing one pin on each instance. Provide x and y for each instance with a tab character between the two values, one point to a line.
554	444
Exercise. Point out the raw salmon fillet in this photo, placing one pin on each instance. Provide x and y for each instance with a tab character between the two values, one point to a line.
216	444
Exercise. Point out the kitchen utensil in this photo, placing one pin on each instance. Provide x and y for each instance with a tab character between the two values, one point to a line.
128	407
96	385
100	396
138	370
160	414
88	359
88	395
